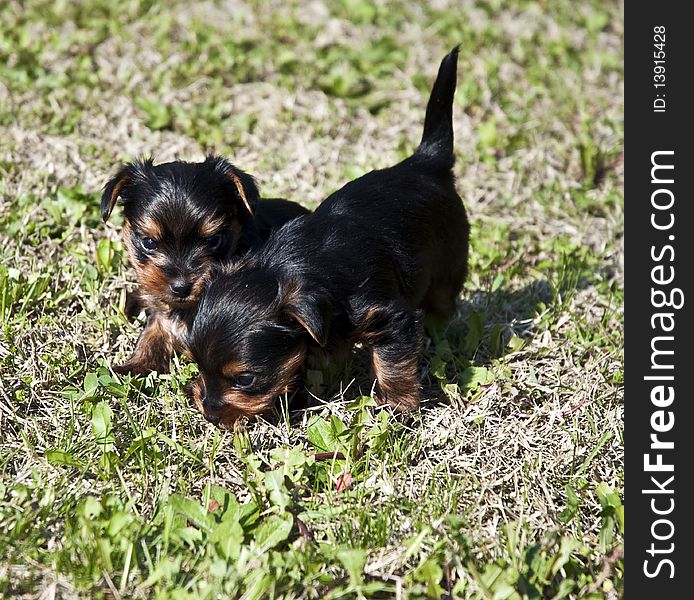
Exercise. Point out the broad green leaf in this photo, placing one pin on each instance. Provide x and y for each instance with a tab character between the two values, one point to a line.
292	461
475	334
438	368
104	254
619	513
190	535
472	377
324	435
101	426
567	546
91	383
118	521
91	508
228	536
60	457
273	531
607	497
606	533
430	573
361	403
192	510
277	490
140	442
229	509
164	569
353	560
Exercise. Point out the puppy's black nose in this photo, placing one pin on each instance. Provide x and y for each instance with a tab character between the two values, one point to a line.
180	288
212	419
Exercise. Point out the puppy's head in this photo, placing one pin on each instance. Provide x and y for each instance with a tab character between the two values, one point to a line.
250	338
180	220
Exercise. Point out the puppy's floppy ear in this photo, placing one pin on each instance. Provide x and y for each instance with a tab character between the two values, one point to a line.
245	184
309	311
113	189
137	170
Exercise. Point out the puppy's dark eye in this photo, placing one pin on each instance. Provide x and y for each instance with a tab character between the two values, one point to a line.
216	241
245	380
148	243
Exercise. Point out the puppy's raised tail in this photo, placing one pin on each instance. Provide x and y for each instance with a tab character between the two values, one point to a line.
436	147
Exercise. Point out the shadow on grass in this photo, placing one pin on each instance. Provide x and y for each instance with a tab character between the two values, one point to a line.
479	333
487	326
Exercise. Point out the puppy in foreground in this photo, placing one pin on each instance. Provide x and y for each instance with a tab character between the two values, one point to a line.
358	269
181	219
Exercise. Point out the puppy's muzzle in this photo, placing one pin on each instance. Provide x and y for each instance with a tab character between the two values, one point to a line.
180	288
210	406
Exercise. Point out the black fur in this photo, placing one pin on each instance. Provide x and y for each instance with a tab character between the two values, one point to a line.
169	206
359	269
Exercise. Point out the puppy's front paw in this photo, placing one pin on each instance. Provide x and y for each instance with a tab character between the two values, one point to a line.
401	398
133	305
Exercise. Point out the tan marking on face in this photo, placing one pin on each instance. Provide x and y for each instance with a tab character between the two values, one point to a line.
150	228
199	286
290	369
127	236
152	279
233	369
239	403
209	227
154	283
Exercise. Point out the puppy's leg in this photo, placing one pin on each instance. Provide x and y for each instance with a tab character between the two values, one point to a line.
394	335
133	304
153	350
440	300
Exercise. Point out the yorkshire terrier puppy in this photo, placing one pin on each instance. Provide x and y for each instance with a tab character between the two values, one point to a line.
363	267
181	219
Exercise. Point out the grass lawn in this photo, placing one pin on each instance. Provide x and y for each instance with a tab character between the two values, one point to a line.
509	481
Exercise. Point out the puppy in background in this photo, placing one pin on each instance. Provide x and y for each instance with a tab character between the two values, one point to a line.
181	219
362	268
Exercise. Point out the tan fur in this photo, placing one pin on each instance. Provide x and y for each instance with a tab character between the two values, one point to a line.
231	370
116	192
210	227
154	288
150	228
397	383
163	334
238	403
156	345
242	193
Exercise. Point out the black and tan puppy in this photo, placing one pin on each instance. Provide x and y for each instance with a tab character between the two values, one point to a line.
181	219
358	269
